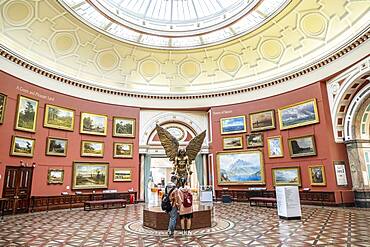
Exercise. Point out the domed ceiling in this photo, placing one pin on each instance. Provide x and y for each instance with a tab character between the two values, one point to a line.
172	48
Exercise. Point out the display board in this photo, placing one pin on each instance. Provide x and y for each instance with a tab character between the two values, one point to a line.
288	203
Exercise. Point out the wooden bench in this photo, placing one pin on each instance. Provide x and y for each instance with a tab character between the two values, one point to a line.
262	201
104	204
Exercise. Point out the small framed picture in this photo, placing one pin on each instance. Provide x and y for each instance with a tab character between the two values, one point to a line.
255	140
93	124
275	147
3	98
92	149
233	142
57	117
22	146
55	176
302	146
26	114
56	146
233	125
122	175
263	120
122	150
286	176
317	175
124	127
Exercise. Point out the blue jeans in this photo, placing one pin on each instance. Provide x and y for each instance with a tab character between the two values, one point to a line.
173	218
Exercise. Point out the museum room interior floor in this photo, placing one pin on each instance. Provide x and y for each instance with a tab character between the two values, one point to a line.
235	224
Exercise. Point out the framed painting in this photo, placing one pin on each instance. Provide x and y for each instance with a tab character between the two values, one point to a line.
233	142
55	176
302	146
122	150
26	116
244	167
233	125
22	146
299	114
317	175
90	175
263	120
93	124
57	117
122	175
92	149
254	140
275	147
286	176
124	127
56	146
3	99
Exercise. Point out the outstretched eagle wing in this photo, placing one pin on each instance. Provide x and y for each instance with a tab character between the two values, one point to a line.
194	146
169	142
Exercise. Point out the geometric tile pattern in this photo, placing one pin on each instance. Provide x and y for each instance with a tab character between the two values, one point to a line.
251	226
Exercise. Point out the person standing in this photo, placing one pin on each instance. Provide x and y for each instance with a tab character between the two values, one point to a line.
186	209
174	199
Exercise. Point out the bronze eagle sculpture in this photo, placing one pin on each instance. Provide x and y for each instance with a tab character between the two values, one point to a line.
181	158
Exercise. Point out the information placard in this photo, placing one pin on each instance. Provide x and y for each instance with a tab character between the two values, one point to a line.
288	203
340	173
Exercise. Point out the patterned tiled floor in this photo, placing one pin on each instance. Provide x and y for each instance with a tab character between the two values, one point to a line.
236	224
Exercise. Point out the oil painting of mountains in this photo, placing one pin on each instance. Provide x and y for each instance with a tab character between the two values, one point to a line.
233	125
299	114
240	168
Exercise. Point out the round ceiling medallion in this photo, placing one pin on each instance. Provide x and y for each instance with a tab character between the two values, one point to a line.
271	49
64	43
177	132
190	69
230	63
149	68
18	13
313	24
107	60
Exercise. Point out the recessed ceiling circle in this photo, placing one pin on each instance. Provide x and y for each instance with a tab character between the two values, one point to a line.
175	24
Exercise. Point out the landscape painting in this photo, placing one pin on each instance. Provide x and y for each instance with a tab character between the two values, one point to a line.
90	175
263	120
122	150
26	114
56	146
302	146
92	148
123	127
59	118
55	176
233	142
275	147
93	124
233	125
22	146
317	175
286	176
299	114
122	175
255	140
3	98
240	168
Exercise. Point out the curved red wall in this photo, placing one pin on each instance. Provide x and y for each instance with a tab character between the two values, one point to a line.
12	86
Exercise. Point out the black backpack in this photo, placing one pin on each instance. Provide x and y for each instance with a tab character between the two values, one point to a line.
166	204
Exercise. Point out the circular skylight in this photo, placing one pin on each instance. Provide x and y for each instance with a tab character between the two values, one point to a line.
175	24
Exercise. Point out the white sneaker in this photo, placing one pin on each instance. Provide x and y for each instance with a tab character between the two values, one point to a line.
188	232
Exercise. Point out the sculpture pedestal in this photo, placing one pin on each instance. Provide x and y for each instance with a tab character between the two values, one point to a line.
157	219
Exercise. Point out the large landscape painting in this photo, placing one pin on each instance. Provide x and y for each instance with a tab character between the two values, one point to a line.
90	175
233	125
93	124
240	168
59	118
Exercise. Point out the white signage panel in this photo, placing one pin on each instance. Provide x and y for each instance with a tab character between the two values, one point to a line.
340	173
288	203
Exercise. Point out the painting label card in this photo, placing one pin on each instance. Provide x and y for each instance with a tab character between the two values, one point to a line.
288	203
340	173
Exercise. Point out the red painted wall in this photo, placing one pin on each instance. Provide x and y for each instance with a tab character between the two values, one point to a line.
12	86
327	149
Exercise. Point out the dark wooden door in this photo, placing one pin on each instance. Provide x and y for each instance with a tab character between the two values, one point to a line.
17	187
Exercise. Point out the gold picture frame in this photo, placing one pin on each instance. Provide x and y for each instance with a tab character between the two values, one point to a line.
254	140
122	150
55	176
286	176
262	120
22	146
56	146
26	116
92	148
90	175
122	175
275	147
57	117
302	146
3	99
232	142
124	127
299	114
233	125
317	175
93	124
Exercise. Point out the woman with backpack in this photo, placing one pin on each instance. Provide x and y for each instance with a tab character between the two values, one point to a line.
186	209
